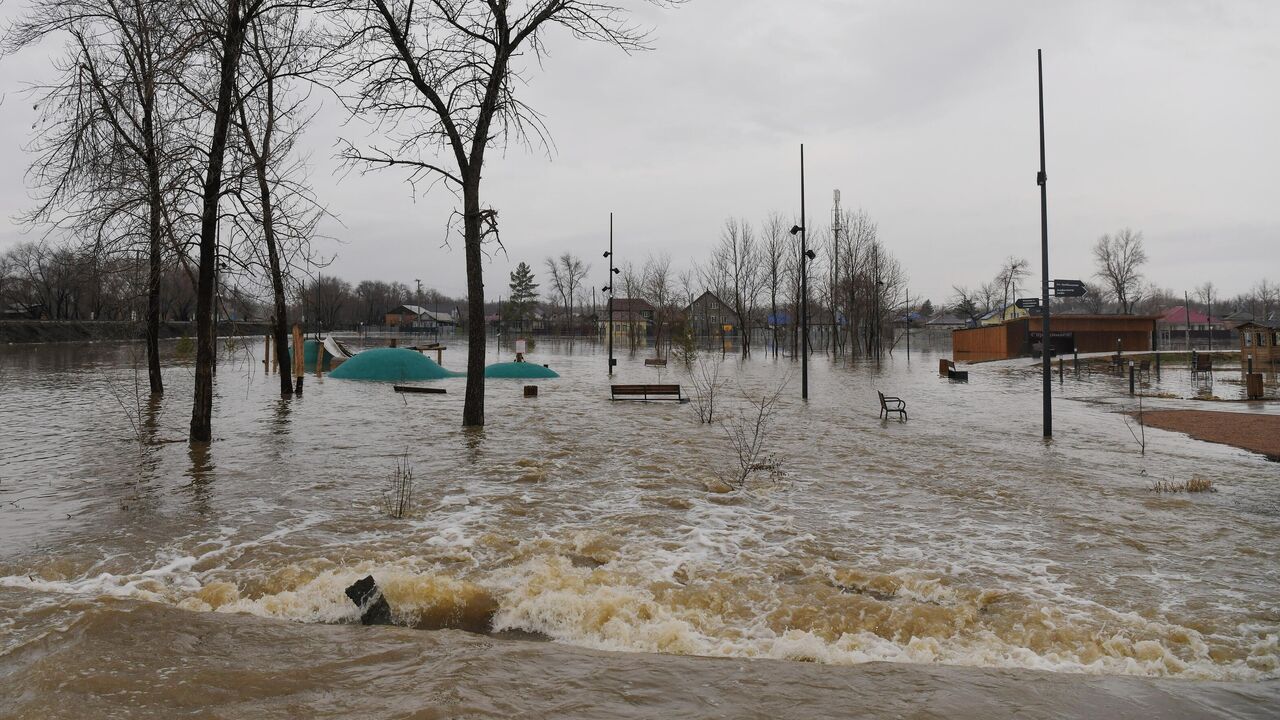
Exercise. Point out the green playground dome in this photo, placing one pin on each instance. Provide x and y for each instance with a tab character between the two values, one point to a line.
391	365
309	350
519	371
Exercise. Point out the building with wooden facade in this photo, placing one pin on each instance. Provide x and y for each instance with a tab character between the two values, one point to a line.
1082	333
1259	340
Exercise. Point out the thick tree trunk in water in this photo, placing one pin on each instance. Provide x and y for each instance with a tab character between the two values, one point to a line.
281	326
473	405
153	284
153	235
202	405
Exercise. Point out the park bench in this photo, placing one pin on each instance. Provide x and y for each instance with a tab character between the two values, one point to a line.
647	392
949	367
890	404
655	362
419	390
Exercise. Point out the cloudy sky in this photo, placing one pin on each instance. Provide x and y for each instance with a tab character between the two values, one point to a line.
1163	116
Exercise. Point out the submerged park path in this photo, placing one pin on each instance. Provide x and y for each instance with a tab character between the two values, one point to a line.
1255	432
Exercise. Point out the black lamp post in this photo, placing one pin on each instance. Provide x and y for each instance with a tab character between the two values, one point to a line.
805	255
1046	341
609	289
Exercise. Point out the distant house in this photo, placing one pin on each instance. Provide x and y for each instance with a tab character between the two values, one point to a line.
708	316
1175	318
630	316
417	316
946	320
1239	317
1003	315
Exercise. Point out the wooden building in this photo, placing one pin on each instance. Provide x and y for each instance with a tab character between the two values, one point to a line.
1083	333
1260	340
631	317
709	316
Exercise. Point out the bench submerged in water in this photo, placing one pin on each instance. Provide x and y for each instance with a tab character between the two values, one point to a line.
647	392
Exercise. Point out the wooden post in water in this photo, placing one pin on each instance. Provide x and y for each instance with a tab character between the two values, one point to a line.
266	355
299	364
319	358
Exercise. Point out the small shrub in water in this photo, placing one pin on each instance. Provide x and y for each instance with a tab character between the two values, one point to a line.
1194	485
397	499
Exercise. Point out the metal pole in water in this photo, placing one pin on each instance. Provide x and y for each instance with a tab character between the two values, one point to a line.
1046	337
1130	377
610	288
804	289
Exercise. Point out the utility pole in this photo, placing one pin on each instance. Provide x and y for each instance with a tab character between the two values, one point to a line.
1186	308
1046	338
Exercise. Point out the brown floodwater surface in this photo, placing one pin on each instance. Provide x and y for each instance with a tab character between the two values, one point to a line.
956	560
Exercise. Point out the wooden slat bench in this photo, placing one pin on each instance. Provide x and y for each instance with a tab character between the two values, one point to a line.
647	392
420	390
656	362
890	404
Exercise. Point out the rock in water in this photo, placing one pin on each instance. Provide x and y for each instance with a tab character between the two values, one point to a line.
374	609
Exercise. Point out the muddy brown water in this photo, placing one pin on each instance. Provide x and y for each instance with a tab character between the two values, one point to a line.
569	559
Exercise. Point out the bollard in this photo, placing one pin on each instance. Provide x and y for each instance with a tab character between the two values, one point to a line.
1061	364
299	365
1253	386
1075	354
531	391
1130	377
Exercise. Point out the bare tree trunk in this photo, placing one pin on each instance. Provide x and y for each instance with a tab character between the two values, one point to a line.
154	274
473	404
202	405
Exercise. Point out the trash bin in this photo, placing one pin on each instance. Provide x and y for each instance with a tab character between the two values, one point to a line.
1253	386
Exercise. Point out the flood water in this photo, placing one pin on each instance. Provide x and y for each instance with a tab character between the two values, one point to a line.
575	559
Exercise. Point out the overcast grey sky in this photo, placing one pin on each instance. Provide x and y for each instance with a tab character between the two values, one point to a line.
1162	116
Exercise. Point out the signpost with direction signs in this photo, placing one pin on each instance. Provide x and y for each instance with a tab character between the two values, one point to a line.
1027	303
1069	288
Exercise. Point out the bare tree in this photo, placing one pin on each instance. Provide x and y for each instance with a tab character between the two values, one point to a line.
567	273
1012	273
106	152
441	77
736	267
659	291
269	118
775	248
1119	261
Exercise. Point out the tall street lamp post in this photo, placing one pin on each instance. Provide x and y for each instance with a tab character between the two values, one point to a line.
805	255
609	289
1045	338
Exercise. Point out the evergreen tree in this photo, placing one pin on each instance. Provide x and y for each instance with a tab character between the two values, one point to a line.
524	293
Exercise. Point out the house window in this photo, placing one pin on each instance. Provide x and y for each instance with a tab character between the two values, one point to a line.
1248	339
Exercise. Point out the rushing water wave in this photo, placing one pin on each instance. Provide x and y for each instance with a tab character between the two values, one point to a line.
959	537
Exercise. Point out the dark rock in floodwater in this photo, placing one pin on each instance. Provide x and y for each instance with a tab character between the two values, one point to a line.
374	609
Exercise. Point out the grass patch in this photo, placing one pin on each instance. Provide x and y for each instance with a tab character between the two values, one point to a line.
1194	485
